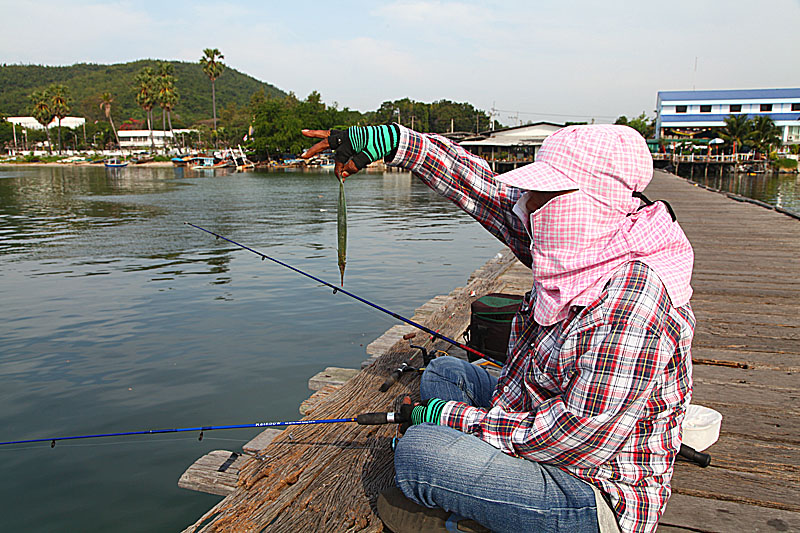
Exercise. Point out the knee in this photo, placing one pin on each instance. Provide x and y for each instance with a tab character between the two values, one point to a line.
419	449
448	369
446	365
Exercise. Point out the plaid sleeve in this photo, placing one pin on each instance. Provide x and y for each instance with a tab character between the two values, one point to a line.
466	180
587	424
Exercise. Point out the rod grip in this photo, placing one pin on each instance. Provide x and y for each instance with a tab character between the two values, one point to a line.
375	419
391	380
699	458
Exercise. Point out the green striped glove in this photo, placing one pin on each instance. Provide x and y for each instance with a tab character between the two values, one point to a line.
429	411
364	144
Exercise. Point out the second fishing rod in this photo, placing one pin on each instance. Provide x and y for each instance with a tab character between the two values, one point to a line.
356	297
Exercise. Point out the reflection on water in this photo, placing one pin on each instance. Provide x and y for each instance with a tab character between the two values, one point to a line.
781	190
117	316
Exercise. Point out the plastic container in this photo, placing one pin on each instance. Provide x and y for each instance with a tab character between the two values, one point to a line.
701	427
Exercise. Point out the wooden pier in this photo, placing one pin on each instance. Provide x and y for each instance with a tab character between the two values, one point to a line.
746	357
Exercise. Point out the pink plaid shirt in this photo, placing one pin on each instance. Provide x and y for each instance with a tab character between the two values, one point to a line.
601	393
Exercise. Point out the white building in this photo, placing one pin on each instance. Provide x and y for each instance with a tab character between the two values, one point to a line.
511	147
33	124
131	139
688	113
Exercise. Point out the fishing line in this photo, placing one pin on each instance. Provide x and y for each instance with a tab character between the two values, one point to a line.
356	297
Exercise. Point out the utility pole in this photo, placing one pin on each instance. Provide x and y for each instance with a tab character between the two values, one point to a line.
14	129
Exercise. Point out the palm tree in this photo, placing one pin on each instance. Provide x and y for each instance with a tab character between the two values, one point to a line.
105	104
59	99
40	109
213	69
146	97
167	94
737	131
765	134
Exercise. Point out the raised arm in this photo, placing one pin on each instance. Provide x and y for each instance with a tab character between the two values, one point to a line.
456	174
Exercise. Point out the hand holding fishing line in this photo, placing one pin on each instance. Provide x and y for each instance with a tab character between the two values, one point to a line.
355	147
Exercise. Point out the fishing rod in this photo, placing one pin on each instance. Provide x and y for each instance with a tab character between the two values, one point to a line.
360	299
364	419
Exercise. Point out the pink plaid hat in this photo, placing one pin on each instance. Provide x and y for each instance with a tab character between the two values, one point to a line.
604	161
581	239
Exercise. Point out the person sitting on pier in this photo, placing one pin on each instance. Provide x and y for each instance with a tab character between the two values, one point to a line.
581	430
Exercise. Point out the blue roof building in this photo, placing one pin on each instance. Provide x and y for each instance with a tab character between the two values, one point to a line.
690	113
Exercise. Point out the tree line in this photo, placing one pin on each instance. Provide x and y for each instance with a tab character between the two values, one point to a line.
268	124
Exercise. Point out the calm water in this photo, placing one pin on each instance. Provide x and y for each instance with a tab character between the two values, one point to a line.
782	190
116	316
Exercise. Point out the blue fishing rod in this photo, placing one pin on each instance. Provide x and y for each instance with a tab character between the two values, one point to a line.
356	297
364	419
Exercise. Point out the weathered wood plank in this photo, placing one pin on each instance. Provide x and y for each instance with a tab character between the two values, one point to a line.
262	440
217	472
753	488
308	405
685	513
765	423
774	361
333	375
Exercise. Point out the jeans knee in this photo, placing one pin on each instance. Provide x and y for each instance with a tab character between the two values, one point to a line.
409	450
446	365
449	369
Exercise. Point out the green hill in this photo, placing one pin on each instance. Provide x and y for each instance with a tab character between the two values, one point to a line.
86	82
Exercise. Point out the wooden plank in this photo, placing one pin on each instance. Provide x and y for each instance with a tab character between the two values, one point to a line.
785	384
753	488
217	472
773	361
770	423
692	513
261	441
308	406
333	375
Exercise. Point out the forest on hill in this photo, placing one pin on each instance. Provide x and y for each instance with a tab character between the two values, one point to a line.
251	113
86	82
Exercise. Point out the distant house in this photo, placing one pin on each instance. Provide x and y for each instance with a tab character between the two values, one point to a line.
140	139
682	114
33	124
509	148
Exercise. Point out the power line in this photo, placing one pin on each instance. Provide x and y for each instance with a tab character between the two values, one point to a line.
552	114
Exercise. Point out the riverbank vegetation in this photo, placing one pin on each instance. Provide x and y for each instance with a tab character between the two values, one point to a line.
263	119
86	82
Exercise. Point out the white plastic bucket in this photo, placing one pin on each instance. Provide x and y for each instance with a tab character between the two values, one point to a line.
701	427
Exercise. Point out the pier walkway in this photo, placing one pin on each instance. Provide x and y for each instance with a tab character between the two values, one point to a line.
746	357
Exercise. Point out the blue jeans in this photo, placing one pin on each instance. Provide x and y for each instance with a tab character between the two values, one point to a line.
438	466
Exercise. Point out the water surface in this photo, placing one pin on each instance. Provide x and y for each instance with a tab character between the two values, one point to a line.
781	190
116	316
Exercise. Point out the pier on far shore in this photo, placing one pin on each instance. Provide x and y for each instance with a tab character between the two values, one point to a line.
746	355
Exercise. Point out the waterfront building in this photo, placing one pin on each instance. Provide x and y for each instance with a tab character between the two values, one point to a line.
682	114
508	148
33	124
140	139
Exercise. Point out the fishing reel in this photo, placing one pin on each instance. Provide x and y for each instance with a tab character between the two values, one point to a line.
406	366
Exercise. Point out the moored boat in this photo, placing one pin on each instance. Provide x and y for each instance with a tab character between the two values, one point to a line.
115	162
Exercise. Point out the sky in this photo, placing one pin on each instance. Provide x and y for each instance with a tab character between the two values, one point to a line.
536	60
